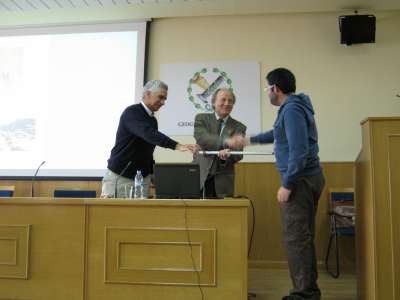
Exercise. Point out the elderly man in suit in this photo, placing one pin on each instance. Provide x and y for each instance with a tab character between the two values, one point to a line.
217	174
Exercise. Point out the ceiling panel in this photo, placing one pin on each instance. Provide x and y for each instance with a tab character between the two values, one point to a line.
12	12
264	5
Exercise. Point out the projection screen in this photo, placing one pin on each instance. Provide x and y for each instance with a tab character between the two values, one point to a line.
62	91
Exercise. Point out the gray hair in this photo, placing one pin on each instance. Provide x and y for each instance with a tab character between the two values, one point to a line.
154	85
214	96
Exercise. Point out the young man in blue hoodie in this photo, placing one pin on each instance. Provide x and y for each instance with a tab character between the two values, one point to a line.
296	150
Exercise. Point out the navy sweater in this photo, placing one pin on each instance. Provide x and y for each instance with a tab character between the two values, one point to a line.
137	136
296	140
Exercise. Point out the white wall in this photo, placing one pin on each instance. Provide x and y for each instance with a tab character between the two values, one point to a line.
346	84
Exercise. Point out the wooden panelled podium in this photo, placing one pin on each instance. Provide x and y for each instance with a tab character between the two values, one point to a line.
378	210
123	249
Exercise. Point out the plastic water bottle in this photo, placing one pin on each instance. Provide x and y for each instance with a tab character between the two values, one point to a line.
139	185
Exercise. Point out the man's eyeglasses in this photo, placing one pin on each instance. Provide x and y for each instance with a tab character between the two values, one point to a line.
269	87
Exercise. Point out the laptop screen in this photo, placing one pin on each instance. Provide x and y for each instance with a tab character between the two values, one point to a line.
177	180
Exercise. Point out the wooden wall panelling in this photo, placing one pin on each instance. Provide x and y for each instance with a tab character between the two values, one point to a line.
260	182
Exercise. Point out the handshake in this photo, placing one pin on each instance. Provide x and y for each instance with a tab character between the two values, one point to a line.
194	148
237	142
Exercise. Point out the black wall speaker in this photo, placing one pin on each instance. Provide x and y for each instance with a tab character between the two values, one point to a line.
357	29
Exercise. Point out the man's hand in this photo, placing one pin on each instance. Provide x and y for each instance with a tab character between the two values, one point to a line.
194	148
237	141
283	194
224	154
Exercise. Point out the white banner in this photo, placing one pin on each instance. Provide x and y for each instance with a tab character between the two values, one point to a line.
192	85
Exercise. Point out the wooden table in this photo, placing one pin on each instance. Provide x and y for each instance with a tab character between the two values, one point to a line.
123	249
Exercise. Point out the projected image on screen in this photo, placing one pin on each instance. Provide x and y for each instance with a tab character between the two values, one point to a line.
18	135
62	95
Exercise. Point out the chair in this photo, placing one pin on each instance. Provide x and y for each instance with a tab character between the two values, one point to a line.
7	191
342	221
74	194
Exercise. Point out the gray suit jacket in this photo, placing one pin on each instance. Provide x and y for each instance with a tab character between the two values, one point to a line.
206	135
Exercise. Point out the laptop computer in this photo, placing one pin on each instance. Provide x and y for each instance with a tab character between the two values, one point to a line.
177	180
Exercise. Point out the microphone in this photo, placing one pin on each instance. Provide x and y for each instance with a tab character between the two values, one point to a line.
34	177
119	175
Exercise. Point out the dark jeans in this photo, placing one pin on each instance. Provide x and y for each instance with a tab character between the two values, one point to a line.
298	220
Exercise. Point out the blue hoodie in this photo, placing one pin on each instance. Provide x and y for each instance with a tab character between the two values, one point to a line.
296	140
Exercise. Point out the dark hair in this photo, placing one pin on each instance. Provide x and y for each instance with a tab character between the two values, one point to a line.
282	78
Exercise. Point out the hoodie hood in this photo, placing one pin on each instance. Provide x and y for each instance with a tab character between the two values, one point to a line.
302	100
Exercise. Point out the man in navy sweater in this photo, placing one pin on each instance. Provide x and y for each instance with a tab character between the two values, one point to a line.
296	150
137	137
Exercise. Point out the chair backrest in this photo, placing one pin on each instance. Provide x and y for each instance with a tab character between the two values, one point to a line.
74	193
341	203
341	196
7	191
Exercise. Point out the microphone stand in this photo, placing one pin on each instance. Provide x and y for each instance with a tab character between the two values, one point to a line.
119	175
34	178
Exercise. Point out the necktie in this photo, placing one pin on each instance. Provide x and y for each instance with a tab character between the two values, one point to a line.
220	123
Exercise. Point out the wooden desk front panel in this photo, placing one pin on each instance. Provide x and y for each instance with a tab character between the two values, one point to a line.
52	256
72	249
143	252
